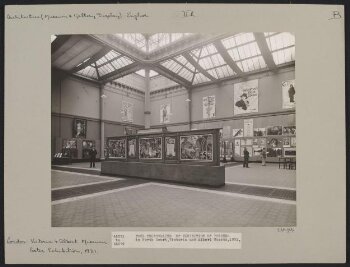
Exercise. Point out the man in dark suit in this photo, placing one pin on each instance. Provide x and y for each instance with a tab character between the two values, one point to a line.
93	154
291	93
246	158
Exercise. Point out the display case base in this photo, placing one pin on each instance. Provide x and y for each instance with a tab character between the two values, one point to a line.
182	173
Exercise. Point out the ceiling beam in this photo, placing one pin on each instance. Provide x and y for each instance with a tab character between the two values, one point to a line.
103	51
265	51
197	66
226	56
171	76
59	42
133	67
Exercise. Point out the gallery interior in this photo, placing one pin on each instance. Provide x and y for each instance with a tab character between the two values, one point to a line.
176	112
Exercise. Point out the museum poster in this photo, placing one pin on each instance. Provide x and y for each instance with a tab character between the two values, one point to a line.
209	107
170	147
196	147
127	111
117	148
132	148
237	132
237	147
248	128
79	128
246	97
288	94
150	148
165	113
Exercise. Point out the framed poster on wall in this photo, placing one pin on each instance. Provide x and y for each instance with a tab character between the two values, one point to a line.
79	128
246	97
248	128
237	132
274	130
289	152
165	113
289	130
259	131
132	148
127	111
209	107
87	146
288	94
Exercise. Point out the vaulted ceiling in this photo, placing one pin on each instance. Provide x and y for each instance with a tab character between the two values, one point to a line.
188	59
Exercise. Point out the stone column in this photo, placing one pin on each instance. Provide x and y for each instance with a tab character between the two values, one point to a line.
189	90
147	100
102	124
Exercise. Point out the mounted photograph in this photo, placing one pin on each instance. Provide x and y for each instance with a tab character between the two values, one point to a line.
173	130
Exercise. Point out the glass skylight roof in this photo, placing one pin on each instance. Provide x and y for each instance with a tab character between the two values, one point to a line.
282	46
152	73
180	66
200	78
89	72
137	39
245	52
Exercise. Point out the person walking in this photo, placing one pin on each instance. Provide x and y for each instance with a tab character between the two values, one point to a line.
93	153
246	158
263	157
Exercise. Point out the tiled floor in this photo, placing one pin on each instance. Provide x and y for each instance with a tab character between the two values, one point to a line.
155	205
131	202
269	175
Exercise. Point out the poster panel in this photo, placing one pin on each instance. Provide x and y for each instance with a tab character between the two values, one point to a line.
196	147
246	97
117	148
248	142
87	145
274	130
127	111
237	132
170	149
273	152
79	128
289	130
293	141
288	94
237	143
259	131
257	150
274	142
286	142
209	107
289	152
150	147
262	142
248	128
164	113
132	148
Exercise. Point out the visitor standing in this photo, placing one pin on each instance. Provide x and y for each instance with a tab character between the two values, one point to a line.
246	158
93	153
263	157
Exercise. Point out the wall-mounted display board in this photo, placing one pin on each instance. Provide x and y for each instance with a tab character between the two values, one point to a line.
288	94
87	145
274	152
248	128
79	128
117	148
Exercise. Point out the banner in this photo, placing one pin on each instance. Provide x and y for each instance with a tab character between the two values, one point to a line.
209	107
165	113
288	94
248	128
127	111
246	97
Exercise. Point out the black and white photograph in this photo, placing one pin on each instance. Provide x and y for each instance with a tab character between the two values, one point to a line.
156	174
